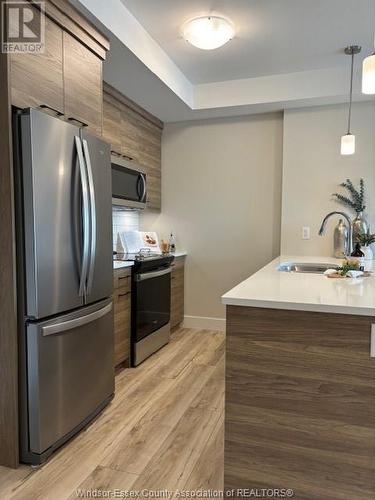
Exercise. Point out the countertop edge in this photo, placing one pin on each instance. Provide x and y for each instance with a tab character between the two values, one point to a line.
294	306
118	264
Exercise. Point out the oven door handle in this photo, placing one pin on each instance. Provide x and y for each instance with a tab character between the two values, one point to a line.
152	274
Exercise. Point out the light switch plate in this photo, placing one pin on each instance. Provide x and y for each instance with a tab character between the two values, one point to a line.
305	232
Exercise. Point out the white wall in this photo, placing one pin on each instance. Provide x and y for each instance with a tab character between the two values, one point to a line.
313	168
221	193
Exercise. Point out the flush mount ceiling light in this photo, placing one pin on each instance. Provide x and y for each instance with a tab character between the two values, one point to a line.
208	32
368	75
348	140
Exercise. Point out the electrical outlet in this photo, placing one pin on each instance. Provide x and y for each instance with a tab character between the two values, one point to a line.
305	233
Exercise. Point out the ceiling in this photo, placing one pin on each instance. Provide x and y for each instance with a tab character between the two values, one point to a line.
272	36
286	54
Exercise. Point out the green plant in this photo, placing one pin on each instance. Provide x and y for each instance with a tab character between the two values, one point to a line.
366	239
356	197
348	265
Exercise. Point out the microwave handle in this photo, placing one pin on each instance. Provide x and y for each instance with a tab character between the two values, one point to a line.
144	188
139	179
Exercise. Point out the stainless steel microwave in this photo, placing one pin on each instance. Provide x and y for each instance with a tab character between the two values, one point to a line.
129	183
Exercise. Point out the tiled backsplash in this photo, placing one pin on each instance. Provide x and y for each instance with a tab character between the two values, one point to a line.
123	220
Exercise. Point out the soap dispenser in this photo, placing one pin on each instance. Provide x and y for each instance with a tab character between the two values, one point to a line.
340	239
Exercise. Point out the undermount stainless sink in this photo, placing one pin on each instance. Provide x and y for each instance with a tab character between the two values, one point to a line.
306	267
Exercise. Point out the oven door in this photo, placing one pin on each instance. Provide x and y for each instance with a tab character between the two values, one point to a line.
151	304
129	187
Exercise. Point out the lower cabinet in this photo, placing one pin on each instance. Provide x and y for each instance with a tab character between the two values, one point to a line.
299	403
177	291
122	311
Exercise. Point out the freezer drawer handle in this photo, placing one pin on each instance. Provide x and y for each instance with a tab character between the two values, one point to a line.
85	217
86	153
152	274
75	323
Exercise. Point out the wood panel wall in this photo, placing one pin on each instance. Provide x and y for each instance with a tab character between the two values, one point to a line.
71	21
8	322
300	403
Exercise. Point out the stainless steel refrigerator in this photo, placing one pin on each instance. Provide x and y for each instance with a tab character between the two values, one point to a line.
65	282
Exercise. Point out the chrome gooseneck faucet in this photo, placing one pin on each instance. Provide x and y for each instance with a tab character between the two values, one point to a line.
349	243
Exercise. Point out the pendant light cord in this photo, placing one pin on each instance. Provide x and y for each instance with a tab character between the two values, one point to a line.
351	94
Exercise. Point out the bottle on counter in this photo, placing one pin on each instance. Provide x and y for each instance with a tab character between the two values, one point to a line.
172	243
357	254
340	240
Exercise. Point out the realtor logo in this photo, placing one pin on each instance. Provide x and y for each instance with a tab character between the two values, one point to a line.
23	27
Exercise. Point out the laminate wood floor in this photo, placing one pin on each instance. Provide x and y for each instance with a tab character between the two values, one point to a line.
162	431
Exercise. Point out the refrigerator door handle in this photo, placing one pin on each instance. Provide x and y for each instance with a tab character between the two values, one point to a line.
92	216
74	323
85	217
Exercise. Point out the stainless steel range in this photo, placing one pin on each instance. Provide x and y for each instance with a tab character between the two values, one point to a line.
151	303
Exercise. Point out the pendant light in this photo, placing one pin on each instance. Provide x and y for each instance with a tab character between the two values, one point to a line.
348	140
368	74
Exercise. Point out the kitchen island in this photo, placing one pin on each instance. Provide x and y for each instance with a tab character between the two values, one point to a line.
300	384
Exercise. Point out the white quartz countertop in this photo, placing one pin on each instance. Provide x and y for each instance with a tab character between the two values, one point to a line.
118	264
275	289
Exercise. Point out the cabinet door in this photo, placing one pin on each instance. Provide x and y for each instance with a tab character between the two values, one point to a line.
129	134
149	155
122	302
141	141
177	293
83	87
112	124
122	310
37	79
153	189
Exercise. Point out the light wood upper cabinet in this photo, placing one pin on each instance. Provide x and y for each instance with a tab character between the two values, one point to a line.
82	84
67	76
141	141
111	124
135	134
37	80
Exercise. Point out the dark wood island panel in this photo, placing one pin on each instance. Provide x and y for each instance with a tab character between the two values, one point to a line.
300	403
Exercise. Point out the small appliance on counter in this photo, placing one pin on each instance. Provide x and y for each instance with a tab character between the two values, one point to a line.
151	293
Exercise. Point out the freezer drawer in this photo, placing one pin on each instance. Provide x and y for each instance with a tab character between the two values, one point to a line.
69	372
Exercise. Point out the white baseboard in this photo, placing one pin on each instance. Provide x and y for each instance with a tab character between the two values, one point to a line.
205	323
